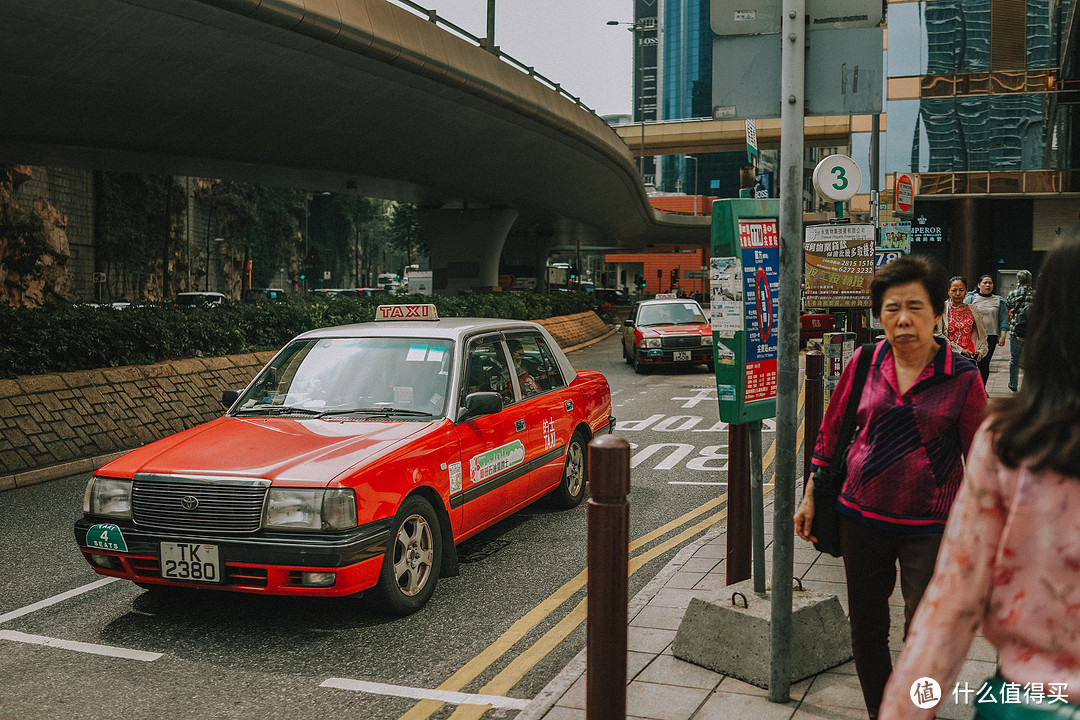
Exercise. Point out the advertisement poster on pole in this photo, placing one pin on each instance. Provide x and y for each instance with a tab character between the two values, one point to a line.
839	265
760	241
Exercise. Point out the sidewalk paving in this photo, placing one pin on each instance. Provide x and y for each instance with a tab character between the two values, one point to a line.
663	687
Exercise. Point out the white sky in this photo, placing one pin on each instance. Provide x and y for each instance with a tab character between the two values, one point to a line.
567	41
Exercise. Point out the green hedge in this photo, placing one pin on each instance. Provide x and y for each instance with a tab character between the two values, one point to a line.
83	337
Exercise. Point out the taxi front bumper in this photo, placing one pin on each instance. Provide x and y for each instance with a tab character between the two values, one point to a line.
694	356
267	563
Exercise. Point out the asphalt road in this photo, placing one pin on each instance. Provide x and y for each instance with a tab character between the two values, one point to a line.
504	627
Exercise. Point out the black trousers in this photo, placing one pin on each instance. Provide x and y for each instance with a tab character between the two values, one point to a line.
984	364
870	557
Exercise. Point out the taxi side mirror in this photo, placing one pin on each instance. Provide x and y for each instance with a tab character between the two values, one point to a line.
480	403
229	397
628	322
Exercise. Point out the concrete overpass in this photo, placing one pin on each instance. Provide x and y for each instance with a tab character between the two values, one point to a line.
676	137
362	96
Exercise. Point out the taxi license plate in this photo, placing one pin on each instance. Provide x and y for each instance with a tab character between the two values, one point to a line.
682	356
191	562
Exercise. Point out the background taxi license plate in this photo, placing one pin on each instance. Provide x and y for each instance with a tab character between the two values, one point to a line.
191	562
682	356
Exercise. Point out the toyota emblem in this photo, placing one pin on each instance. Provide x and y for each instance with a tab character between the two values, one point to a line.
189	502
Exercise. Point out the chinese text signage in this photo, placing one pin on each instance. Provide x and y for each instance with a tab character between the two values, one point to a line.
839	265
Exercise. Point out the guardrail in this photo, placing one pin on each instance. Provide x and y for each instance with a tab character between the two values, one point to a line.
434	17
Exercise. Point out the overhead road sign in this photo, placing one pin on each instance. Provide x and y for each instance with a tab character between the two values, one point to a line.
843	74
758	17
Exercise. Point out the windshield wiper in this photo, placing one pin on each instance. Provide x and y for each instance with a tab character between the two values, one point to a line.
278	410
378	411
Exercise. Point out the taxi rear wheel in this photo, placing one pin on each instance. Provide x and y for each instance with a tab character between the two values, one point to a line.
411	565
572	487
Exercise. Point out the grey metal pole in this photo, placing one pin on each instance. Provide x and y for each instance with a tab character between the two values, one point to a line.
490	39
792	56
638	30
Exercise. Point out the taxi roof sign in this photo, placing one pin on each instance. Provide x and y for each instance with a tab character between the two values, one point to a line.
406	312
666	296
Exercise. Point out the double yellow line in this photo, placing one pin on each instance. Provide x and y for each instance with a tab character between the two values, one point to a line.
509	676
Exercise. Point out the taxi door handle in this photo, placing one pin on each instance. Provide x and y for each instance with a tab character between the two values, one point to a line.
519	426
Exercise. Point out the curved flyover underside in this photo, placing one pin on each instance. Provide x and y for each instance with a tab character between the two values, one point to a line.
344	95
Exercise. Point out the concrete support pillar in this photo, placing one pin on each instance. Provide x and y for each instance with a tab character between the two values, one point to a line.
964	239
465	246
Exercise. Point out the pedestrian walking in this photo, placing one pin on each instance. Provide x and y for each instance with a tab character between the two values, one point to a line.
992	314
1010	558
957	323
917	413
1019	305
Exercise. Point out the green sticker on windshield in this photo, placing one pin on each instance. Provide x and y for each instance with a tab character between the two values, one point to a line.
106	537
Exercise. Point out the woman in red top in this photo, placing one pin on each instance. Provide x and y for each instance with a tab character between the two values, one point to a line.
958	324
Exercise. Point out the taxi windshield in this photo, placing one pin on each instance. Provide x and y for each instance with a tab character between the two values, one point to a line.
672	313
374	378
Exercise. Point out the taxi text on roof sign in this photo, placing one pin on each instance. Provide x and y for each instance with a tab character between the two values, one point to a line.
406	312
666	296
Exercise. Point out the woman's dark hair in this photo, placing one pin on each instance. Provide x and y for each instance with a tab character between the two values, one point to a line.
961	278
909	269
1040	425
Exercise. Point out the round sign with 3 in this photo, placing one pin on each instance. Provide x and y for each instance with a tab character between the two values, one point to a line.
837	178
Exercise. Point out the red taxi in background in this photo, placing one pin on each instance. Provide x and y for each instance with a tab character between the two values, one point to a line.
358	458
667	330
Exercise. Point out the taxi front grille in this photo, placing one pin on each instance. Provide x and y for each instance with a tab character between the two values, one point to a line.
680	342
198	504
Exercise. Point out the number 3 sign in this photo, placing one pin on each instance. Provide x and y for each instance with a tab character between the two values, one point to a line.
837	178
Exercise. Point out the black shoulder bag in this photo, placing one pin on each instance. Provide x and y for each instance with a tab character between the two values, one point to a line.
830	478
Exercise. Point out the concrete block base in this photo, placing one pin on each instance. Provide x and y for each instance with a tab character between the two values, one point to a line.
727	638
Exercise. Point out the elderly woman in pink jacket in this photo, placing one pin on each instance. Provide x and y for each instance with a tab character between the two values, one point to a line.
1010	558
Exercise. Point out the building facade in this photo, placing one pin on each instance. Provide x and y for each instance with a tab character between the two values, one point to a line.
979	105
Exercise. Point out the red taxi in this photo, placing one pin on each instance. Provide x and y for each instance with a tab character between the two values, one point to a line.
358	458
667	331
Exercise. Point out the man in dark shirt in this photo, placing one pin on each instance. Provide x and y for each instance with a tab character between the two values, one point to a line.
1019	304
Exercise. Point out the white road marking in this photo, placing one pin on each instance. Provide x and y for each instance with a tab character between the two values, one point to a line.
55	599
446	696
108	650
694	482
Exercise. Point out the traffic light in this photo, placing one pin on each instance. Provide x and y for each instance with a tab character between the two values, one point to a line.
674	274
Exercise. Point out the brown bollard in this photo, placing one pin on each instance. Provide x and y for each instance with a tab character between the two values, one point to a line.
814	407
608	557
740	541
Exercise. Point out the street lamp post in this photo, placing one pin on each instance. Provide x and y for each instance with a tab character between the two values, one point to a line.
638	28
691	157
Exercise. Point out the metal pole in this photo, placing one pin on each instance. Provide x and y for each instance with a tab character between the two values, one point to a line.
787	376
638	30
608	565
491	26
739	522
814	408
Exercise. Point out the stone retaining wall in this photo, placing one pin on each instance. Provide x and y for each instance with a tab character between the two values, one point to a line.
65	423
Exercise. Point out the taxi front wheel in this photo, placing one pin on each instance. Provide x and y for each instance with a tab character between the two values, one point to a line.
572	487
411	566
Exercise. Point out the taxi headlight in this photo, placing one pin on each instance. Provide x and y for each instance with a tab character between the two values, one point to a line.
650	342
108	497
706	340
310	509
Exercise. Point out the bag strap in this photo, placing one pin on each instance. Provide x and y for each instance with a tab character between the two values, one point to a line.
861	371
